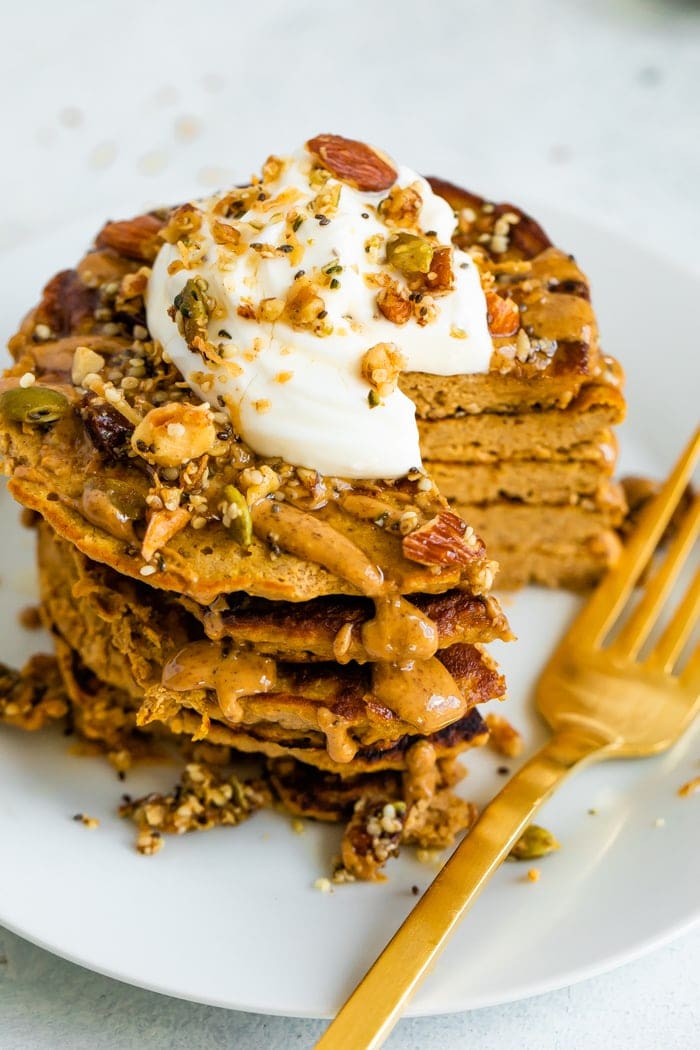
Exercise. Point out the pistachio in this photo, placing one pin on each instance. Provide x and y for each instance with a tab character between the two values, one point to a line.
237	516
113	505
36	405
194	307
534	842
409	253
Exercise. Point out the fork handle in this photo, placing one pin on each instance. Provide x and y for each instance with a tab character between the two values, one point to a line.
368	1016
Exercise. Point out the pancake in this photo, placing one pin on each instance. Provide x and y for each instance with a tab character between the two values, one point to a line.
128	637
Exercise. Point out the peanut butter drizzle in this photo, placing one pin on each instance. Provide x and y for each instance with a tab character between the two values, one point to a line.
421	692
315	540
400	640
399	631
339	744
203	665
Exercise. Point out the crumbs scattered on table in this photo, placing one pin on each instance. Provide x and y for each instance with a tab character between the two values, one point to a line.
659	822
149	842
415	890
503	771
88	822
504	737
429	856
323	885
533	875
298	826
29	618
592	812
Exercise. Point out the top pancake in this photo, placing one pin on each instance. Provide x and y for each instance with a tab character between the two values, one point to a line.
69	471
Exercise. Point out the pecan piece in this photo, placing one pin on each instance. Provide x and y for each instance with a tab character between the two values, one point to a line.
502	314
353	162
444	540
135	238
394	306
440	277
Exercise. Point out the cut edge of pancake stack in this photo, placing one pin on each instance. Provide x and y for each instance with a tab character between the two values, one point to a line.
526	453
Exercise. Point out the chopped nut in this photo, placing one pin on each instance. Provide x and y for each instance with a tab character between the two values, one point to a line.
155	440
183	222
204	798
402	206
504	737
440	276
381	366
161	528
85	362
304	305
395	306
444	540
534	842
503	315
409	253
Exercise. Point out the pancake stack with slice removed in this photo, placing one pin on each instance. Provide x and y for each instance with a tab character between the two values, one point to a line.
210	581
526	452
200	593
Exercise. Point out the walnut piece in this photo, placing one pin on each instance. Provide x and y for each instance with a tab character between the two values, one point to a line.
394	306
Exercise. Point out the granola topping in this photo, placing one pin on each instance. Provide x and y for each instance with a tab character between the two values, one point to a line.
332	253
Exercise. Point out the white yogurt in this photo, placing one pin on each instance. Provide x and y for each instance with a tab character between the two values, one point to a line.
299	393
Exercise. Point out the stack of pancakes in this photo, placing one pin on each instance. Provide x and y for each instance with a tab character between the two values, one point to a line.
334	627
525	452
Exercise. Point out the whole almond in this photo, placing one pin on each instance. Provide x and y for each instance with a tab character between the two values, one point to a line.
353	162
134	238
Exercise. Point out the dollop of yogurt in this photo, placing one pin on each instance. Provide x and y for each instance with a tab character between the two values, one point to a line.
268	298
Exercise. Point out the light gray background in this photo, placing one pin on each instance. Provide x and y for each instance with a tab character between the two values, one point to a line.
593	107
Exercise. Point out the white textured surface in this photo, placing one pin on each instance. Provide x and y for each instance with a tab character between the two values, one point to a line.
591	106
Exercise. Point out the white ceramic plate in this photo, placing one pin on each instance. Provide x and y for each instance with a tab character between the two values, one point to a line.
230	917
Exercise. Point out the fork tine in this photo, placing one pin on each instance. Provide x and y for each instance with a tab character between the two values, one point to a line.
679	629
690	675
635	631
603	608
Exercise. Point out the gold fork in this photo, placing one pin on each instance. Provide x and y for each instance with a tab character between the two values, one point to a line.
601	701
